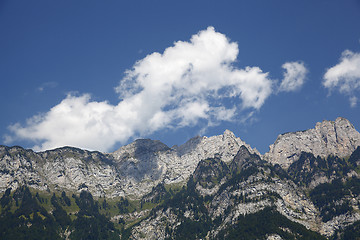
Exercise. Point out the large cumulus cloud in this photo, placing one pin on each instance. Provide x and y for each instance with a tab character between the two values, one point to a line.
189	82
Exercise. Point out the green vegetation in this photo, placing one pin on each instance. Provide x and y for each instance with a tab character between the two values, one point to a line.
263	223
28	214
188	199
29	220
352	232
303	171
331	198
157	195
90	224
209	172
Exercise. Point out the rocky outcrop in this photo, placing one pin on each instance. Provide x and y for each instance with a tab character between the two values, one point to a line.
133	170
250	187
242	159
145	169
338	138
304	178
69	169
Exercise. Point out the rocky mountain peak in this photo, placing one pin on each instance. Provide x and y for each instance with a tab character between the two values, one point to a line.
243	153
141	147
209	172
226	145
228	133
338	138
188	146
145	163
242	159
137	167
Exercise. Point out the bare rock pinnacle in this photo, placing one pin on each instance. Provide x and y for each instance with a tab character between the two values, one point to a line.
338	138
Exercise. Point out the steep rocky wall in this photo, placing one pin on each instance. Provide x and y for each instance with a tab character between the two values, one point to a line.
130	171
338	138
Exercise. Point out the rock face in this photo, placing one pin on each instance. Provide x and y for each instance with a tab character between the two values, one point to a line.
135	168
130	171
144	169
338	138
65	168
304	181
219	197
247	186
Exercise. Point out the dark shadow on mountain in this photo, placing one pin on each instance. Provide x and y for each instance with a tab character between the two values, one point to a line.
187	147
144	146
146	163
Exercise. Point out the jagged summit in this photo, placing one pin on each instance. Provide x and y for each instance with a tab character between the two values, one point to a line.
141	146
171	165
205	146
226	144
131	170
338	138
141	165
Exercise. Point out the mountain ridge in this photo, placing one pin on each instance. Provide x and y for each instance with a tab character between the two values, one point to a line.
339	138
206	186
143	164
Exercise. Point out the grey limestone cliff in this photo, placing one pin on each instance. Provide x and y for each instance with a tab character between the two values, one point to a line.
144	169
338	138
130	171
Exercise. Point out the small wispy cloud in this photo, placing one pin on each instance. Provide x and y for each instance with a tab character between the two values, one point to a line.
47	85
345	76
294	76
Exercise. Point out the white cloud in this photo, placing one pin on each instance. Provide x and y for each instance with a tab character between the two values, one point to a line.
353	101
188	82
345	76
294	76
76	121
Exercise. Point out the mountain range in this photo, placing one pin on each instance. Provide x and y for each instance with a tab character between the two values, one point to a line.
306	187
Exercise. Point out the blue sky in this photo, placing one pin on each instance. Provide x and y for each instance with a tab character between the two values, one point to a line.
98	75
